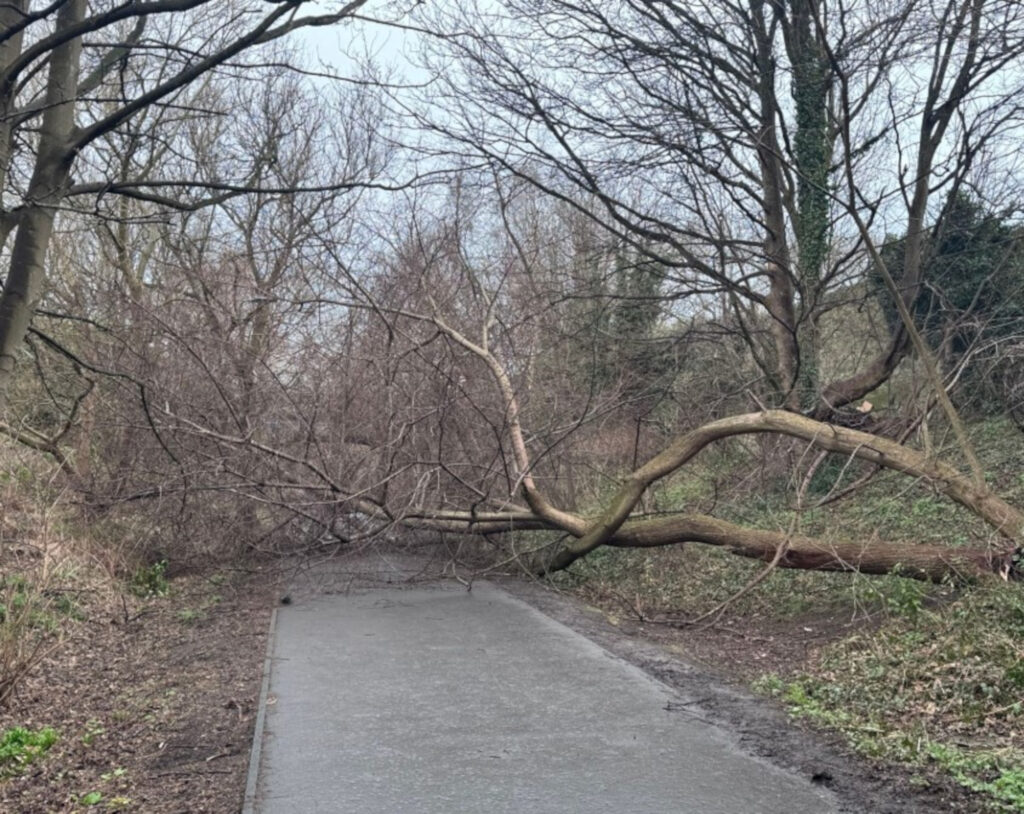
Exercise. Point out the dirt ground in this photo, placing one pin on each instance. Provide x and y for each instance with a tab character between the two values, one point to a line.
155	701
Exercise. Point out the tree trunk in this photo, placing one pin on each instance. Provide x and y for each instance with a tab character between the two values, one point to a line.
935	563
48	184
780	299
932	563
617	528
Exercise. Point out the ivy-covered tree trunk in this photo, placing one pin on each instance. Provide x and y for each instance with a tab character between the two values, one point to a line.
780	301
813	156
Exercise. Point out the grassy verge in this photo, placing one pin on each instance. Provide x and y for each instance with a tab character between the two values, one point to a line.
943	691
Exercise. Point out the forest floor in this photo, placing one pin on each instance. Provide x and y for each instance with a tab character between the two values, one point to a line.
153	698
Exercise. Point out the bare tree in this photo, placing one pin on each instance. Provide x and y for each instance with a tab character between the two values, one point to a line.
74	75
744	145
189	321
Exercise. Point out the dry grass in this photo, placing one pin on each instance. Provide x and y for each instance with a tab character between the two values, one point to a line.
48	574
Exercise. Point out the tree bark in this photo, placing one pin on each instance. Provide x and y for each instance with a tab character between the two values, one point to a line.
616	527
1004	518
931	563
47	187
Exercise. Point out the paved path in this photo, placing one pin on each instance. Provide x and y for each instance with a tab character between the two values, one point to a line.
439	701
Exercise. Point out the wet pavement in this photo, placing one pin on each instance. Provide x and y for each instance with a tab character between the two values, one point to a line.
436	699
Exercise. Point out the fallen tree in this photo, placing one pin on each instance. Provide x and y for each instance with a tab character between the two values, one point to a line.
323	486
338	475
619	526
934	563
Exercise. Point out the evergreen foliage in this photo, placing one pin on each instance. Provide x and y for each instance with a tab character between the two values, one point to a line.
974	279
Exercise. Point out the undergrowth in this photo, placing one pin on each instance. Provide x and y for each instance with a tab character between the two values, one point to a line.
49	578
33	613
943	691
684	583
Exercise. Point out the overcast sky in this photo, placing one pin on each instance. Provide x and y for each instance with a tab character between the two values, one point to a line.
339	46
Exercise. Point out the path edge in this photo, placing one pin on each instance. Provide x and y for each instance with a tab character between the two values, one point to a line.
255	753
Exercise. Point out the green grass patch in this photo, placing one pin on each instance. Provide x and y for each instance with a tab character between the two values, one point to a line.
999	775
151	581
27	605
20	747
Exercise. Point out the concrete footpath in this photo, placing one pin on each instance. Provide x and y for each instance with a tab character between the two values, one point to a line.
435	700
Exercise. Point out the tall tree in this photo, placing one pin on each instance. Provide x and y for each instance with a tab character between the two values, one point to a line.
745	145
74	73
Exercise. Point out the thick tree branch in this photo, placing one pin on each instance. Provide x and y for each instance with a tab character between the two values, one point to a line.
1005	519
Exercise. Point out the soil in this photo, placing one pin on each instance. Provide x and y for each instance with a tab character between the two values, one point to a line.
155	701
